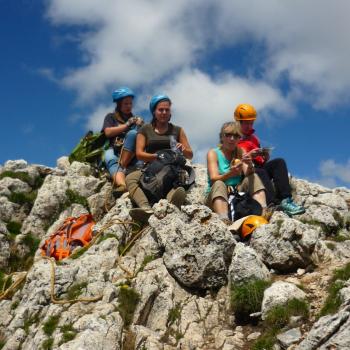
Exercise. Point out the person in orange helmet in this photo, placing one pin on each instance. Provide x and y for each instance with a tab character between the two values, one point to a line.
273	173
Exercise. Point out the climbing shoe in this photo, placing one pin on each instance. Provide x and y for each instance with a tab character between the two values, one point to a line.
178	197
141	214
291	208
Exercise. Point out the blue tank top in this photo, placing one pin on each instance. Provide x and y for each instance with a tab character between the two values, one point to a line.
224	166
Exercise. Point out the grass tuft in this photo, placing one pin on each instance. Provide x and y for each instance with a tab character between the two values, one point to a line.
247	298
5	281
75	290
23	198
16	175
68	333
276	319
14	228
47	344
51	324
75	197
128	299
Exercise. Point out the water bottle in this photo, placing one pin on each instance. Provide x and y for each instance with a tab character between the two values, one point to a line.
173	144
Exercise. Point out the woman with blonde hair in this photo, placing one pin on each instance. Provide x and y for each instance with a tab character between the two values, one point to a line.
227	166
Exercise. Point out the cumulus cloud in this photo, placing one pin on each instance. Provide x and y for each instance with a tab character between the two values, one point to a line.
141	43
330	169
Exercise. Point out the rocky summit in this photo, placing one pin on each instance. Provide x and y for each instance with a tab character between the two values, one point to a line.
182	282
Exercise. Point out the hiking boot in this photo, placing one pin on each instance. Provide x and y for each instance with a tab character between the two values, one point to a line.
119	190
178	197
291	208
141	214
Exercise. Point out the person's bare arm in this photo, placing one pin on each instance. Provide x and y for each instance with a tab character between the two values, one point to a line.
140	149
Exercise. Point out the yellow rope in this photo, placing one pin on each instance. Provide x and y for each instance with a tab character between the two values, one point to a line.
5	292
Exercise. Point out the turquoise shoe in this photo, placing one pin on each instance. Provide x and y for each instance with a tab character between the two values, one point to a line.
291	208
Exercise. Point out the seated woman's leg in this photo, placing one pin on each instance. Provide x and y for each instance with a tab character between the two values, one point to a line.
135	192
128	152
217	199
254	186
113	167
277	168
278	172
266	180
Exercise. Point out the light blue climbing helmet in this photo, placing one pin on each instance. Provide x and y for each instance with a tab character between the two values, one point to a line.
121	93
155	100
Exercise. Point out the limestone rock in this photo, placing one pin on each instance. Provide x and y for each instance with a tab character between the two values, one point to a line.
196	255
285	245
246	265
279	294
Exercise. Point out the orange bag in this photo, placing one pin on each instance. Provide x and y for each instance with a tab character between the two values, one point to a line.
74	232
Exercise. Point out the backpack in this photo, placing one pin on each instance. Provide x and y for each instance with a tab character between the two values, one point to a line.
74	232
90	149
168	171
242	204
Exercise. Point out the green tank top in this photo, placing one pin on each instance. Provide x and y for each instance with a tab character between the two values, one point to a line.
224	166
156	142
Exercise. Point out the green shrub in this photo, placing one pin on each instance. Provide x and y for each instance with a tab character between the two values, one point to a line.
75	197
146	260
5	282
14	228
47	344
174	314
31	242
68	333
16	175
23	198
75	290
247	298
333	301
51	324
30	321
265	342
277	318
128	299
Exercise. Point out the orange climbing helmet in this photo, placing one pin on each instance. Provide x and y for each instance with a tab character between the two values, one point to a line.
251	223
245	111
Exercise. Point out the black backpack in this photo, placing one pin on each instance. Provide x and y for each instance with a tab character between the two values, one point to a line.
241	205
168	171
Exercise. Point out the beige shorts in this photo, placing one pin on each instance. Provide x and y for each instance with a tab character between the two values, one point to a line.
250	184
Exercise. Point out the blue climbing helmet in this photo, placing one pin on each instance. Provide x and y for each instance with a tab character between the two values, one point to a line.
155	100
121	93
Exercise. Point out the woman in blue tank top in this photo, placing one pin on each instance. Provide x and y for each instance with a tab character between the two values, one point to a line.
227	166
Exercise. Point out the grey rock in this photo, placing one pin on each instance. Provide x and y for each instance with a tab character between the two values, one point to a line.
285	246
63	163
289	338
196	255
279	293
9	185
326	331
246	265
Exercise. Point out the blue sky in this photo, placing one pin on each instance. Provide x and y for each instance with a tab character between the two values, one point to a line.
61	59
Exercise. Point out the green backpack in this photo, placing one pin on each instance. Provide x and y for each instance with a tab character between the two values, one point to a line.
90	149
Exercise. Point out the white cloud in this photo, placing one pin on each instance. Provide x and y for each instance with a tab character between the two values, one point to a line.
331	169
140	43
95	119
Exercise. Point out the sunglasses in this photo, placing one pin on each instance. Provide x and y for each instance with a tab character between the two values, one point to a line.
230	135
